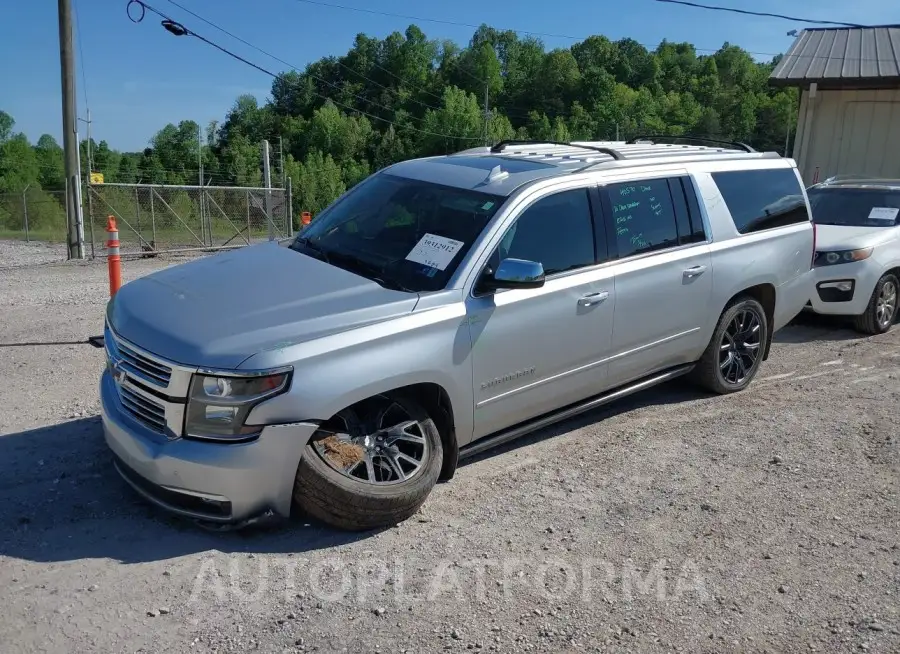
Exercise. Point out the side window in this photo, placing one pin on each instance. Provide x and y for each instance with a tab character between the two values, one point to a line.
556	230
687	211
762	199
643	216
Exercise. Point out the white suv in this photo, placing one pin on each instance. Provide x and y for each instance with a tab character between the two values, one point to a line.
857	260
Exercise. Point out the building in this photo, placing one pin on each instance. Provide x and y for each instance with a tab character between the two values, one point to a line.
849	117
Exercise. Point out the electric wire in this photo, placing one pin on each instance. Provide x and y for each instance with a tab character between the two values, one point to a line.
179	29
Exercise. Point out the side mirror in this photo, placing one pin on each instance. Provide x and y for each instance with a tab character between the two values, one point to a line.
513	273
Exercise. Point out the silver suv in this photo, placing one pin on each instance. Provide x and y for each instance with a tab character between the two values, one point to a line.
441	307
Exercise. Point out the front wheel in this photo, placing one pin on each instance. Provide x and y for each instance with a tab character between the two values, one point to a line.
735	351
370	466
882	308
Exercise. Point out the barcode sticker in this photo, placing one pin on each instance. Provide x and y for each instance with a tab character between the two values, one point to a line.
434	251
887	214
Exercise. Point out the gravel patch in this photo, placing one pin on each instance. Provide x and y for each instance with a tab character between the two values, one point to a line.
763	521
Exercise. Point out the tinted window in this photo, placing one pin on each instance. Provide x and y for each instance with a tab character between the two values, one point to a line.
762	199
400	232
556	230
643	216
697	231
858	207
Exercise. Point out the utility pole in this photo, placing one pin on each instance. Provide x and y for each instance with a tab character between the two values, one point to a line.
267	182
487	113
281	160
207	230
70	132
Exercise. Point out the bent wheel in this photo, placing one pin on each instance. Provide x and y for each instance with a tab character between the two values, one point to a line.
372	465
734	354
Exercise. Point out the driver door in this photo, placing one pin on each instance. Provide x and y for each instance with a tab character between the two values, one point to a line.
535	350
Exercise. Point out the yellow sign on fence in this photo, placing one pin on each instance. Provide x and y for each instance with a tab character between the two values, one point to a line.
96	178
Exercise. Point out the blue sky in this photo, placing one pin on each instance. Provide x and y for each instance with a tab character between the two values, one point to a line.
139	77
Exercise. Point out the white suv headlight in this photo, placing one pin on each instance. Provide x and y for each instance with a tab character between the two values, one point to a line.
842	256
218	404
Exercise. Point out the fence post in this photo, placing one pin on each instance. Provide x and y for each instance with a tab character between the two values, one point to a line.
91	215
249	229
290	210
25	210
152	220
137	217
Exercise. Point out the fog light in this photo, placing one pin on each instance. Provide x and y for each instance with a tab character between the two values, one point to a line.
841	286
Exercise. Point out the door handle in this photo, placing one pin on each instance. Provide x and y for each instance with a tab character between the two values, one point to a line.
592	298
696	271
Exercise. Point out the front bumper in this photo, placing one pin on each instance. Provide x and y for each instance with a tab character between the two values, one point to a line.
827	299
222	483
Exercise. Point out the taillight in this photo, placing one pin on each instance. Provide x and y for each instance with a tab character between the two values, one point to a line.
813	262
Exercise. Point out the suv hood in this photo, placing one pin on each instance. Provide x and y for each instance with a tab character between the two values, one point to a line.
843	237
217	311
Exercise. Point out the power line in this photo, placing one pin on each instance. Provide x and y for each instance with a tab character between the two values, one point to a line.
339	63
278	59
569	37
765	14
178	29
79	34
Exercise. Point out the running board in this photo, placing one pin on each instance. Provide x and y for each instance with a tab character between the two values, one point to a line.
571	411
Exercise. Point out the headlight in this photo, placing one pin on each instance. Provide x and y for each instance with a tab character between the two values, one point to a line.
842	256
218	405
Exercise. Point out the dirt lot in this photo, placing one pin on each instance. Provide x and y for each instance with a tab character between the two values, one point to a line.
763	521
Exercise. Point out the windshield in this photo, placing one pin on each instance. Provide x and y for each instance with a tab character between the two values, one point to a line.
402	233
855	207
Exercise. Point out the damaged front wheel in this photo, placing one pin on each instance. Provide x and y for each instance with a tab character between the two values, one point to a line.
372	465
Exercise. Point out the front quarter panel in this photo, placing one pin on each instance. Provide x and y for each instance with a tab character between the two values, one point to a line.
431	345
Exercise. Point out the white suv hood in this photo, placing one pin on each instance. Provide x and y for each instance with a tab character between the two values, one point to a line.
841	237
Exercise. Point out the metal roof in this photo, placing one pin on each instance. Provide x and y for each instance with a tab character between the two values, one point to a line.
520	164
841	55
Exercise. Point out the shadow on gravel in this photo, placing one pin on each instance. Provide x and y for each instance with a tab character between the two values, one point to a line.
64	501
673	392
812	327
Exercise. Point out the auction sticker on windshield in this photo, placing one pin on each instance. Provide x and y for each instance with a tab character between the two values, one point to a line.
887	214
434	251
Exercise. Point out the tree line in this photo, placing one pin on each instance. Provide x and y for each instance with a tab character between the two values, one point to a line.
406	96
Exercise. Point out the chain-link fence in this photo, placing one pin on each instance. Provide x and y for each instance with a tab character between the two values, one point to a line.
157	218
33	215
152	217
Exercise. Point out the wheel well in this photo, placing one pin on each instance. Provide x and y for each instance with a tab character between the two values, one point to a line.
765	295
435	400
895	272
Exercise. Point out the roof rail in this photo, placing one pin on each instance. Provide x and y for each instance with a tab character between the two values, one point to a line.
659	137
615	154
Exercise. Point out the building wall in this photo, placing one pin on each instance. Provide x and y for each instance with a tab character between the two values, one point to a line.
848	132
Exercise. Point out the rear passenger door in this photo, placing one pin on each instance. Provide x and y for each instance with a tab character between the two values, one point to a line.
663	275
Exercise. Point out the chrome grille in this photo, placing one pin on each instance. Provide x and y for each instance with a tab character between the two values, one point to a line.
143	367
144	410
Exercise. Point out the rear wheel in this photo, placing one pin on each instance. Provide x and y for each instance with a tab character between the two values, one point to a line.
370	466
734	353
882	308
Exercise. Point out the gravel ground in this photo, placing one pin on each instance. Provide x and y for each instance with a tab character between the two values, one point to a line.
763	521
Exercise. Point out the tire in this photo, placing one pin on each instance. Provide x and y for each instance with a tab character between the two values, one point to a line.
353	504
709	373
868	322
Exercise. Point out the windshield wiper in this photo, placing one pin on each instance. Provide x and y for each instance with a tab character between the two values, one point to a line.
309	245
364	268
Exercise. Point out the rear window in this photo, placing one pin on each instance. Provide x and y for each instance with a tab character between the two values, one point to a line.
855	207
762	199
